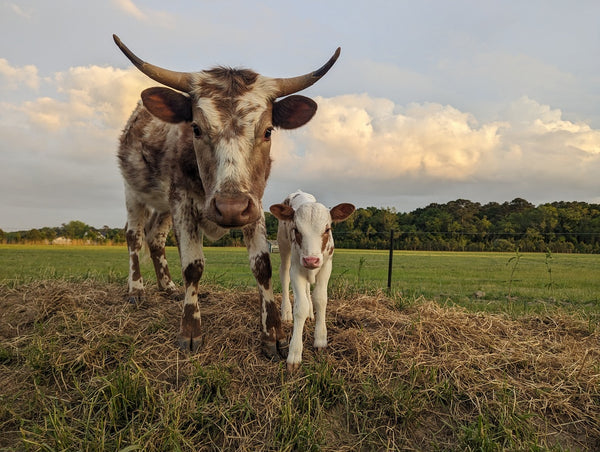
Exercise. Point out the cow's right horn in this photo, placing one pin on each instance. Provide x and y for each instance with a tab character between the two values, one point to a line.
176	80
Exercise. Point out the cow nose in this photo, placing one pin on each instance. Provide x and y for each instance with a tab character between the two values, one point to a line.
234	210
311	262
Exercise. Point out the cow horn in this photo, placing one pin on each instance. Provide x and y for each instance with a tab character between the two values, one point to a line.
294	84
176	80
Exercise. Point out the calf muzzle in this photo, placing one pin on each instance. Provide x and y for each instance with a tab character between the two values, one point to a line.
311	262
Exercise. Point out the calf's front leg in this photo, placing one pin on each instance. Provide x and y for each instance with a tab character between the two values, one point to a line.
274	343
320	303
301	311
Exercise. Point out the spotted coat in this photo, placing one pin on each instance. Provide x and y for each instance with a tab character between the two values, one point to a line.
306	247
198	159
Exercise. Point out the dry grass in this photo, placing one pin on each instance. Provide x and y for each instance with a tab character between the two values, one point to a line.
82	370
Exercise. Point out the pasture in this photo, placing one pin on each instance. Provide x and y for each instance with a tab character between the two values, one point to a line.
433	365
478	281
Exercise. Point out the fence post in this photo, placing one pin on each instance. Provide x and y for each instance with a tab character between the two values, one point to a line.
391	258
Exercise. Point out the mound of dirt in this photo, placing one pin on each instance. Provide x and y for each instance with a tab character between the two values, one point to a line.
461	367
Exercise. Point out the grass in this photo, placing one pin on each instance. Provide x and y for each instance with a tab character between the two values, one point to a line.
443	362
80	369
492	282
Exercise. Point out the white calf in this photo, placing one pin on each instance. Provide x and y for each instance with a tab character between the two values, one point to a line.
306	248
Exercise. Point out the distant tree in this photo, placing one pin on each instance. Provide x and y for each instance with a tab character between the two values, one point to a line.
75	229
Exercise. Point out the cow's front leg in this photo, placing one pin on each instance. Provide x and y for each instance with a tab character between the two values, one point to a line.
157	230
134	233
274	343
186	219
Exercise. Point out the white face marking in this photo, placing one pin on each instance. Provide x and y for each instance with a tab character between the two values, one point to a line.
234	153
311	220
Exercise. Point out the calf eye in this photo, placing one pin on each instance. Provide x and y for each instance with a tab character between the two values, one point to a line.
197	131
268	133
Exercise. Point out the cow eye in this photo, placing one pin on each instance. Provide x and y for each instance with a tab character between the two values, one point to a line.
197	131
268	133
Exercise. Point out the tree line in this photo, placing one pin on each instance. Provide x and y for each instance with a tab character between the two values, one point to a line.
460	225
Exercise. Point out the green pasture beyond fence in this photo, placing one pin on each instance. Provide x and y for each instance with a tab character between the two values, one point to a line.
477	280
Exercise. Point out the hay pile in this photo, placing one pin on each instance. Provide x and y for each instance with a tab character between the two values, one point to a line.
420	377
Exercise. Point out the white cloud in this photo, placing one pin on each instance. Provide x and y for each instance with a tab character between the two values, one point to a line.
363	147
156	18
96	97
366	138
13	77
357	148
19	11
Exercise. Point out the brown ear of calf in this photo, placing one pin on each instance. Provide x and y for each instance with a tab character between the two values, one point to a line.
341	211
282	212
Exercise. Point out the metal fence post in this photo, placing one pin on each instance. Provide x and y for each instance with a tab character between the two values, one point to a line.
391	258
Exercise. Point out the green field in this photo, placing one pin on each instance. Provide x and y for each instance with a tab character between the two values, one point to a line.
479	281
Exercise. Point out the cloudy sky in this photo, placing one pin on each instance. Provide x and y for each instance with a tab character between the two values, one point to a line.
430	101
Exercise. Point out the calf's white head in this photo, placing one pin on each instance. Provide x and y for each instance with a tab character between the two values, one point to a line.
310	229
231	114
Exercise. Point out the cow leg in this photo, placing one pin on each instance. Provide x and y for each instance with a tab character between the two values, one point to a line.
299	283
157	229
186	219
136	219
274	343
320	303
284	274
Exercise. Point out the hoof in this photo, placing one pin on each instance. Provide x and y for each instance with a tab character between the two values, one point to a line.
293	367
189	344
136	296
283	347
270	350
135	299
173	294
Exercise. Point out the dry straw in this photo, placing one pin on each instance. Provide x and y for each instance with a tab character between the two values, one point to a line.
414	378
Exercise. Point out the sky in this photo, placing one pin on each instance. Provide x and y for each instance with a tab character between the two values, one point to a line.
430	101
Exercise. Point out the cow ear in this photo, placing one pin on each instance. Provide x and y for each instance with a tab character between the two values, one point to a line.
341	212
293	111
167	104
282	212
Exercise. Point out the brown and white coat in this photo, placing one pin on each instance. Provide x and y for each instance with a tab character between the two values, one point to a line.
197	158
306	247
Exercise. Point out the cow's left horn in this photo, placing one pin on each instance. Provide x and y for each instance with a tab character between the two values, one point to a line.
176	80
294	84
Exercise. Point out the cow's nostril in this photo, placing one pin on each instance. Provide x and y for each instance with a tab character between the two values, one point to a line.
232	211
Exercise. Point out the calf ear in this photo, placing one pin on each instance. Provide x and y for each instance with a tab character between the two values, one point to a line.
168	105
282	212
341	212
293	111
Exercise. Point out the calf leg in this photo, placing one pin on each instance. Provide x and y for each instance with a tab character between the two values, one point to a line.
299	283
320	303
284	274
136	218
157	229
274	343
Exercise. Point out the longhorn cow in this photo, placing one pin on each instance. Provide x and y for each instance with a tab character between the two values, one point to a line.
196	157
